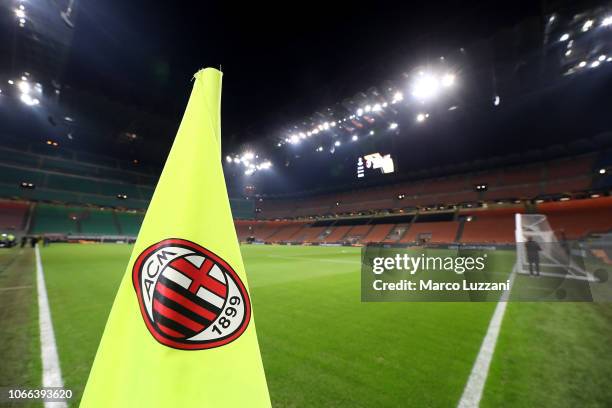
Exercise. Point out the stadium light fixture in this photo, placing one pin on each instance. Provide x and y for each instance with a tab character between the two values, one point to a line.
564	37
602	58
425	87
376	108
397	97
393	126
24	87
28	100
359	112
595	64
320	149
496	100
20	12
355	138
228	159
294	139
587	25
606	21
568	53
582	64
421	117
602	171
368	108
11	82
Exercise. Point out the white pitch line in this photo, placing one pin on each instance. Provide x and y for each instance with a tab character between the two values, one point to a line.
52	373
472	393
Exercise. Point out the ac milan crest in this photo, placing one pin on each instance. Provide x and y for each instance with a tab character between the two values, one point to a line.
190	298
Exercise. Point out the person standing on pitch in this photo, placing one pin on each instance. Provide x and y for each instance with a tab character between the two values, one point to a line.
533	256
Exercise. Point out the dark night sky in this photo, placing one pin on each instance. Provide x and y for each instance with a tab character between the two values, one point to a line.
279	62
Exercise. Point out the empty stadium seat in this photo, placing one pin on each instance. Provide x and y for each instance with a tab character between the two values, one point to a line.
55	219
435	232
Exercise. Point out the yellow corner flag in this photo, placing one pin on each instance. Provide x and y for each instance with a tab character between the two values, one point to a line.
181	331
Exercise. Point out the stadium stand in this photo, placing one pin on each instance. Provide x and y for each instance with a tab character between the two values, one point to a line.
13	215
578	218
98	222
52	219
434	232
559	176
490	226
336	234
285	233
129	222
378	233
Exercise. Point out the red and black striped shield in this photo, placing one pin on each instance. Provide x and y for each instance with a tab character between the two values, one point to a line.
189	297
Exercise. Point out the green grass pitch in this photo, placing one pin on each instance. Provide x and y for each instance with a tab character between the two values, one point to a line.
322	347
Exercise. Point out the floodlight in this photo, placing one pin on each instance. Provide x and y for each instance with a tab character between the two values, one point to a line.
606	21
354	138
496	100
28	100
587	25
337	143
582	64
425	87
602	57
228	159
294	139
595	64
24	87
393	126
602	171
376	108
420	117
248	156
359	112
397	97
368	108
20	13
564	37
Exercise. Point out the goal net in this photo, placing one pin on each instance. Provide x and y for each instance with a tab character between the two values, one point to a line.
555	258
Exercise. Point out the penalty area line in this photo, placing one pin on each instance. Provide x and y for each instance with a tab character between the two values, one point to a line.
472	393
51	371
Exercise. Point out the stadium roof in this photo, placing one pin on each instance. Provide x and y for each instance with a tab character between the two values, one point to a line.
122	78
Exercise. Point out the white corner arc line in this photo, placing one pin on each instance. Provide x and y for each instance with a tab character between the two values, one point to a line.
472	393
51	371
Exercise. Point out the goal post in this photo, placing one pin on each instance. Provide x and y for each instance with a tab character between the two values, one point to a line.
555	258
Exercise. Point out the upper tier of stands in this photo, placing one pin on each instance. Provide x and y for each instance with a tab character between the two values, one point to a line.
85	179
563	176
